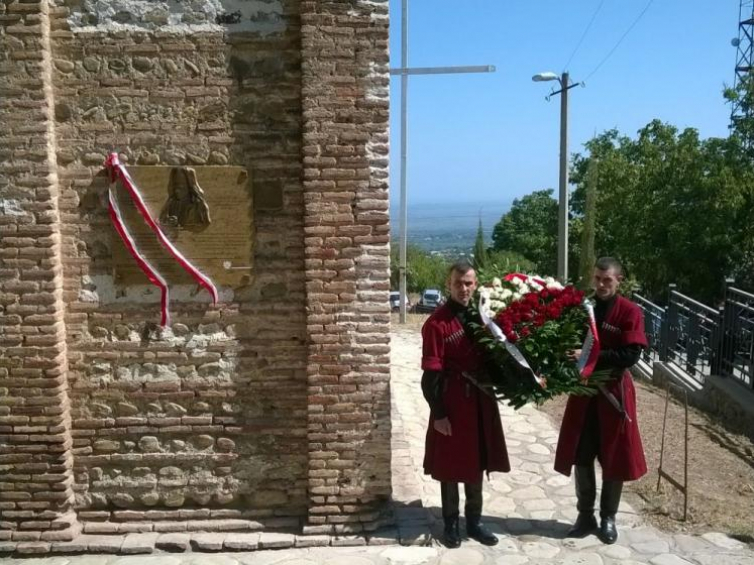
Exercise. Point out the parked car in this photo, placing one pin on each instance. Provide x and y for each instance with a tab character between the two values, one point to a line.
430	299
395	301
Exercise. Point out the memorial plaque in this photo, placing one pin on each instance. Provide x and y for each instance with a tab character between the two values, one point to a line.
207	214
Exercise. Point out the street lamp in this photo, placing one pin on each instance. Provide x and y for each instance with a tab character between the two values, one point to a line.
563	185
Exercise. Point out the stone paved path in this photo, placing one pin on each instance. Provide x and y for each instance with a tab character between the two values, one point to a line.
530	508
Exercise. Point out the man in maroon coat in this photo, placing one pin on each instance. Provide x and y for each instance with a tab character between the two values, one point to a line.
604	426
465	435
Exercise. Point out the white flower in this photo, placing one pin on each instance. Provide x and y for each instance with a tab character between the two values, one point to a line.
516	296
507	293
497	283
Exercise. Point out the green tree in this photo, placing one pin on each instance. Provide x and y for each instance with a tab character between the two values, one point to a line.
673	207
480	249
529	228
423	269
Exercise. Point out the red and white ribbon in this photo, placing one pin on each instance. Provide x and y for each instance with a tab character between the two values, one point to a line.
590	350
524	278
118	172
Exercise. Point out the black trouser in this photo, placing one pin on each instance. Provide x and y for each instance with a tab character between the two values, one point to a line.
586	452
450	501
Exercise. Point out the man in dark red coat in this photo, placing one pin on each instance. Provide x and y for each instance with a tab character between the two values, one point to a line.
605	426
465	435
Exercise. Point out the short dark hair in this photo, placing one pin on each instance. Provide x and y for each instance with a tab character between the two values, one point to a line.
461	266
607	263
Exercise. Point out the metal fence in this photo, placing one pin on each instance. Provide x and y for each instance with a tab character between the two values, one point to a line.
702	340
654	324
737	338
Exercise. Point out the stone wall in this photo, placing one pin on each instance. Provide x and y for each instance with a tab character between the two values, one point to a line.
269	410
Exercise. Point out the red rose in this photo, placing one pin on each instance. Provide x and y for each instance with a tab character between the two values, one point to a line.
525	332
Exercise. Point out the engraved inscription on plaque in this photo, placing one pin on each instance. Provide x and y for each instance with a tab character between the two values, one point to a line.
206	212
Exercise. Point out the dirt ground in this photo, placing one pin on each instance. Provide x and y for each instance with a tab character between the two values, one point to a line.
720	469
720	466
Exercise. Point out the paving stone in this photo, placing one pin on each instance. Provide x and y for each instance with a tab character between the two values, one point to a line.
409	555
639	535
462	556
75	546
47	561
203	559
207	542
348	541
99	559
139	543
581	543
615	551
721	540
32	547
539	550
241	542
668	559
691	544
384	537
512	560
350	560
539	504
500	506
271	540
507	544
724	558
176	543
142	560
651	547
528	493
581	559
314	541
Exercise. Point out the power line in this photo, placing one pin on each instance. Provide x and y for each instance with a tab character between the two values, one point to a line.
583	35
636	21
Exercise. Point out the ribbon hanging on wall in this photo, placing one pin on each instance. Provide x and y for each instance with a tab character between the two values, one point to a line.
117	172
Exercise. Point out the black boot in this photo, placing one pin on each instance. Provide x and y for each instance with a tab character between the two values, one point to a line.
473	510
586	492
450	502
478	531
609	502
452	534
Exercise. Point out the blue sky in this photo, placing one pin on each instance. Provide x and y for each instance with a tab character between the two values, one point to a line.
493	137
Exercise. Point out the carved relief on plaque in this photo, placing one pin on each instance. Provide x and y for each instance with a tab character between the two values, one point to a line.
207	214
186	206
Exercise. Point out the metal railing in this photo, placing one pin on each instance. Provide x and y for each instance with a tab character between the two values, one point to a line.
692	335
654	325
701	340
737	343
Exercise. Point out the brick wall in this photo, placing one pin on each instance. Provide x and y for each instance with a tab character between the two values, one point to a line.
345	132
35	441
272	408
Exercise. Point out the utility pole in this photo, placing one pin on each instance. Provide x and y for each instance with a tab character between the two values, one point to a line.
563	188
404	71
